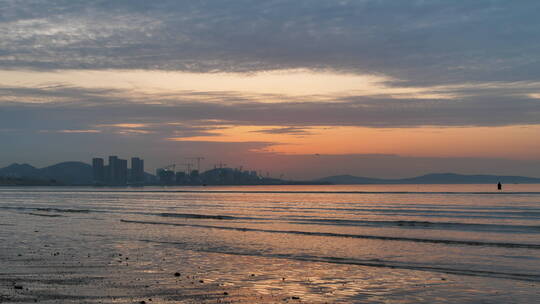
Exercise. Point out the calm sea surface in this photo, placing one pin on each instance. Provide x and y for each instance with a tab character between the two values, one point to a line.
361	243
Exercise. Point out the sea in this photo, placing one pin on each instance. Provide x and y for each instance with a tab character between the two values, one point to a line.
320	243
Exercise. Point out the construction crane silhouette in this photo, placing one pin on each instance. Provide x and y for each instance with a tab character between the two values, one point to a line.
170	167
221	165
198	159
188	167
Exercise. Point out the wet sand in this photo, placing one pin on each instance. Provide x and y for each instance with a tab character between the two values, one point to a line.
53	275
140	273
127	248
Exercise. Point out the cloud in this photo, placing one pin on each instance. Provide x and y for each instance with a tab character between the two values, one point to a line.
414	42
82	109
74	131
285	130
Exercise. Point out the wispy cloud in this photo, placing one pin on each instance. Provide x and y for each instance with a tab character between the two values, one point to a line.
285	130
437	42
82	108
79	131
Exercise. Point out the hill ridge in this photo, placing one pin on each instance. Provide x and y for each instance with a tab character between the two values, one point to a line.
69	172
432	178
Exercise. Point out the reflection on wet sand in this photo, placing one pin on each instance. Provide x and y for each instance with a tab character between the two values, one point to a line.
254	248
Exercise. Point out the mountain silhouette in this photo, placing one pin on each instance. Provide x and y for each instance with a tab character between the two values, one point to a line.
20	170
433	178
70	173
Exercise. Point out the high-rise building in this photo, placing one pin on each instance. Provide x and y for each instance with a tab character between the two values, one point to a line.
122	172
112	172
98	169
117	171
137	170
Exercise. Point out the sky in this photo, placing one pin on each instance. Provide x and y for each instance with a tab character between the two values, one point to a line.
300	89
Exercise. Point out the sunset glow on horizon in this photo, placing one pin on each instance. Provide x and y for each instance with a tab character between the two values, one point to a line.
498	142
283	84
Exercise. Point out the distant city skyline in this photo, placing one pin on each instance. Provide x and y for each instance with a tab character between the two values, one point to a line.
306	167
116	171
303	89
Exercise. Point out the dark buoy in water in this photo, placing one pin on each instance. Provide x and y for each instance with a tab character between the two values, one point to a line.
499	186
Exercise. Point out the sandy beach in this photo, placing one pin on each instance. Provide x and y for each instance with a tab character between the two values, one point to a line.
145	274
131	275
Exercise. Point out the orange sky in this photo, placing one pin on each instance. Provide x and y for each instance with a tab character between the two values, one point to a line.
505	142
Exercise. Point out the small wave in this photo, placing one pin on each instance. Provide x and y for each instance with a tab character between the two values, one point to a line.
438	211
392	264
521	257
45	215
366	262
175	215
421	225
357	236
456	271
198	216
64	210
93	234
48	209
16	208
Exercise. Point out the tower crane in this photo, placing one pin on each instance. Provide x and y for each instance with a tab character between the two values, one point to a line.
221	165
171	167
198	159
188	167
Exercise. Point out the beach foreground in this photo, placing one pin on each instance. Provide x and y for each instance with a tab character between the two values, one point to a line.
133	273
56	251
